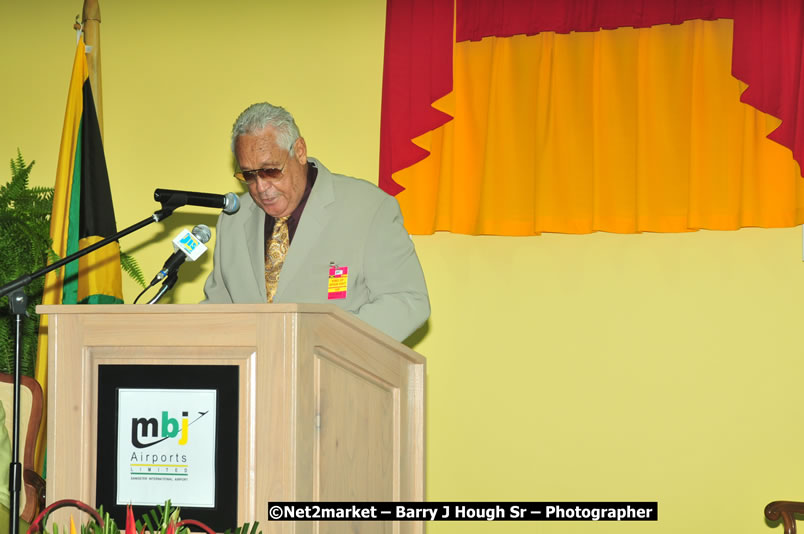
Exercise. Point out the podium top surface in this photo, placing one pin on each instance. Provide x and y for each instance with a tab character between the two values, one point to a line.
262	309
189	308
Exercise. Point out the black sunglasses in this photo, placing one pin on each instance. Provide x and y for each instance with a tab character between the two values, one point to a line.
250	177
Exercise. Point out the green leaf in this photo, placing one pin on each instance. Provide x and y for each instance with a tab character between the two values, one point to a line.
148	524
132	268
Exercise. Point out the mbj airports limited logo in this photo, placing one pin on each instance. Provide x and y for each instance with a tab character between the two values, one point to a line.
145	432
166	446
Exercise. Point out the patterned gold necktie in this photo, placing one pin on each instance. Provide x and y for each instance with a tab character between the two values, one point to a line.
275	256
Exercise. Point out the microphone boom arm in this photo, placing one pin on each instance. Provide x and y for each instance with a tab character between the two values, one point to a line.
26	279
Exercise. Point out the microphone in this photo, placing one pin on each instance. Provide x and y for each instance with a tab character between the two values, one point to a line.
229	202
187	246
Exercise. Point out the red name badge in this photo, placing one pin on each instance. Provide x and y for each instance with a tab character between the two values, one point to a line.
338	276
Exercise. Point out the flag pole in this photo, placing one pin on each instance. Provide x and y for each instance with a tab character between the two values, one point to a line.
91	19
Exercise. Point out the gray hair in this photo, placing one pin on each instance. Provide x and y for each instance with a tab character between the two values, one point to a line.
257	117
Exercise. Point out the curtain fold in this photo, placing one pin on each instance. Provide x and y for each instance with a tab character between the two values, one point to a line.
768	40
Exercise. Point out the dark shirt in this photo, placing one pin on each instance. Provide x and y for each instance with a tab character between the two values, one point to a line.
295	217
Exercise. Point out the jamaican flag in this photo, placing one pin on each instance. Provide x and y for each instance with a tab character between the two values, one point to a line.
82	215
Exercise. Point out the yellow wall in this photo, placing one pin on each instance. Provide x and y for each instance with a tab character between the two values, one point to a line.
597	367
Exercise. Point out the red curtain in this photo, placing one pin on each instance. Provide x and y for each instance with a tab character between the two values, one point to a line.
417	71
504	18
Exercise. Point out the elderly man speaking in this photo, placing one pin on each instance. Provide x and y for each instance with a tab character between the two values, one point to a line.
304	234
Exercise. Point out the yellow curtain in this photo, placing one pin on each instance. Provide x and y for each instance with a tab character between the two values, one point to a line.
625	130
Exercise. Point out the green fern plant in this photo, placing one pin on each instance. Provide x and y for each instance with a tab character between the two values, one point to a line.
24	244
25	247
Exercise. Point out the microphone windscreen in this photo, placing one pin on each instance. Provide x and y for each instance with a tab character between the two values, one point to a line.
231	204
202	232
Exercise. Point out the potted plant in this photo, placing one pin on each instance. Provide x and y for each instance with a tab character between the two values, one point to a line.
161	520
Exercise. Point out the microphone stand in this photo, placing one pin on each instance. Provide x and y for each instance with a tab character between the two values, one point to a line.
17	301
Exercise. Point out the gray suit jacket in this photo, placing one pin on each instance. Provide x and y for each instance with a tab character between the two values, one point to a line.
346	221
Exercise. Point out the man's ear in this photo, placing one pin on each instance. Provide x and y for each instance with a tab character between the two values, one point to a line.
300	150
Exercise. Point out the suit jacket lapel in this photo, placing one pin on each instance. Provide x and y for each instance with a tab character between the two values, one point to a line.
314	218
254	233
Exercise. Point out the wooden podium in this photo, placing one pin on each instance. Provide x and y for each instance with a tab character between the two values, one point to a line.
329	409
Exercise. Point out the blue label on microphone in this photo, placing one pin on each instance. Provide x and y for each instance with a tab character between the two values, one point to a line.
189	242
